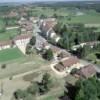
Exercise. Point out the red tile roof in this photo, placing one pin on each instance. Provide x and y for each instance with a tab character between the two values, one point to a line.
47	25
23	36
87	71
4	43
70	61
59	67
55	49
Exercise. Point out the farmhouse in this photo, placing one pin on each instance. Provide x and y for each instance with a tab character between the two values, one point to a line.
5	44
87	71
68	64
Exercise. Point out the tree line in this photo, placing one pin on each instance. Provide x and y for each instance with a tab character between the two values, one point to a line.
74	34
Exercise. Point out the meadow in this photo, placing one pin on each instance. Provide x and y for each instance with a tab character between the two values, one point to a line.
10	54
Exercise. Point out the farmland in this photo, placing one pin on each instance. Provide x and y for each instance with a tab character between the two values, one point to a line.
10	54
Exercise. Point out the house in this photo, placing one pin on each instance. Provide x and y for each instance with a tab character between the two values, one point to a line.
22	40
87	71
26	25
68	64
63	54
56	50
12	14
46	27
34	19
5	44
59	67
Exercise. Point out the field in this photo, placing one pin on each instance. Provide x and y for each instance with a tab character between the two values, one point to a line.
87	17
10	54
8	34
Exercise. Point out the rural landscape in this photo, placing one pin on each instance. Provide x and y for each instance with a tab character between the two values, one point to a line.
50	50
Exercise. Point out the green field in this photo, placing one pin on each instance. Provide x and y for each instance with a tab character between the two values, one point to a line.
10	54
88	17
8	34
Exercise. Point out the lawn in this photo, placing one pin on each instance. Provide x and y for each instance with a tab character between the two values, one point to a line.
10	54
8	34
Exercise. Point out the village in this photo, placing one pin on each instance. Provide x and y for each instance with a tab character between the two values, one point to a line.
63	61
42	50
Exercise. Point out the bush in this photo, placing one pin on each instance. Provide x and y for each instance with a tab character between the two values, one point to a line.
33	89
48	54
3	66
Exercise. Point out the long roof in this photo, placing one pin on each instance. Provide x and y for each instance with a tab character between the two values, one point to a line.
4	43
70	61
23	36
87	71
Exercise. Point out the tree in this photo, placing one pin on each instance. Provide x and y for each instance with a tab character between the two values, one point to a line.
73	71
46	80
32	41
44	86
48	54
28	49
88	89
42	16
84	89
3	66
29	97
57	27
33	89
20	94
55	15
